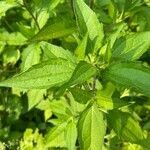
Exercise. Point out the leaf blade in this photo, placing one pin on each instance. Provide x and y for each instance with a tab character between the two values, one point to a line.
88	22
132	47
56	30
82	73
71	135
130	75
91	129
44	75
125	126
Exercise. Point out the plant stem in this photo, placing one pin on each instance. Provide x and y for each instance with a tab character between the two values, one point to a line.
30	12
91	3
9	26
94	83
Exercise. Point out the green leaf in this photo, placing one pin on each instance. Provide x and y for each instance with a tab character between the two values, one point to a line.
10	55
91	129
31	138
30	56
55	106
106	100
130	75
4	6
88	22
15	38
34	97
47	74
81	96
55	136
44	10
53	51
83	72
125	126
2	46
53	4
131	47
81	49
145	143
115	34
71	135
25	30
56	30
76	108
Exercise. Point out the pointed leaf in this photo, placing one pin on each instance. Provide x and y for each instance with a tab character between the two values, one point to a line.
130	75
44	75
81	96
88	22
15	38
125	126
71	135
53	51
56	30
132	47
106	100
91	129
30	56
83	72
34	97
55	136
81	49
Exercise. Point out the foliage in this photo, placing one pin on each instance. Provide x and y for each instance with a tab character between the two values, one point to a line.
74	74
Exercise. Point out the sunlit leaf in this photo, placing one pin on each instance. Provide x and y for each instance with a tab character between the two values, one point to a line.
130	75
91	129
57	30
125	126
87	22
44	75
131	47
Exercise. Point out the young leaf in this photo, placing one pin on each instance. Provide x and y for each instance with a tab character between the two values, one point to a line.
88	22
46	7
82	73
34	97
10	55
75	107
44	75
125	126
91	129
55	106
81	49
53	51
106	100
132	46
55	136
115	34
53	4
30	56
58	29
71	135
130	75
81	96
15	38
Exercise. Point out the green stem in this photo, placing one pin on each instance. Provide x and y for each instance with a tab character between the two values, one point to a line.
30	12
91	3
